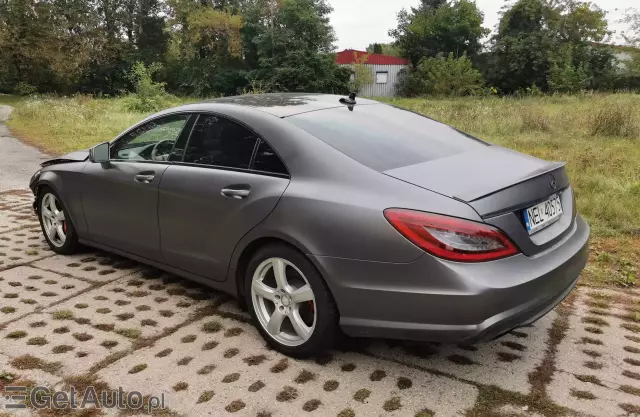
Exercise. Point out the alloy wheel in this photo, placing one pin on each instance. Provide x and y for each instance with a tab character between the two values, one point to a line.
284	302
53	220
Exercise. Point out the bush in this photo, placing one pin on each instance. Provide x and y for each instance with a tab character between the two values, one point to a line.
615	120
149	95
24	89
442	76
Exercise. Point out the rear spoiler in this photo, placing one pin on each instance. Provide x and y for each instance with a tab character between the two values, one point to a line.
478	193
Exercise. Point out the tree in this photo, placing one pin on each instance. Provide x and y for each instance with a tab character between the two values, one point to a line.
294	49
632	35
384	49
205	53
548	44
439	26
375	48
362	74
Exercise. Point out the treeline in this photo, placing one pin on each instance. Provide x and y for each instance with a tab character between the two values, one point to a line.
225	47
196	47
539	46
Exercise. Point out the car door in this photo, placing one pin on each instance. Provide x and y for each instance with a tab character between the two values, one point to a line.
228	182
120	198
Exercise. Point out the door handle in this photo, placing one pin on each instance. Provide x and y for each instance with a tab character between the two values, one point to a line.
237	193
144	178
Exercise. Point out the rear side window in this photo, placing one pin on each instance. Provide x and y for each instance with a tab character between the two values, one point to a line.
384	137
267	160
220	142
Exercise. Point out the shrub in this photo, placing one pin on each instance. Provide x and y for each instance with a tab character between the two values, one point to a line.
615	120
442	76
24	89
149	95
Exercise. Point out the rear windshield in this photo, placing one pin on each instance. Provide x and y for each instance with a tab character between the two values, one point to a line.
384	137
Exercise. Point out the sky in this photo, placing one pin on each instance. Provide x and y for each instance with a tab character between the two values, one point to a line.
360	22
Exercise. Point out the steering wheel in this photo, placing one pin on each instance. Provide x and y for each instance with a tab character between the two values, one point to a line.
154	151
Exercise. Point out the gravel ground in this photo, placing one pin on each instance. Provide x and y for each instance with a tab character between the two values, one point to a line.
17	160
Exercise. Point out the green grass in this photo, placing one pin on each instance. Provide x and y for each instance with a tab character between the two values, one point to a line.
598	135
10	99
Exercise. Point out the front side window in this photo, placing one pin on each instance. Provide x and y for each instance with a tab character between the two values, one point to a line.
152	141
220	142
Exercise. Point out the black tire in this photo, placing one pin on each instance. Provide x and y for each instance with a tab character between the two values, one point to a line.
326	328
71	244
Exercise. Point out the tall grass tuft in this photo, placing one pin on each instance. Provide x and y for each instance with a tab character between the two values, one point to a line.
615	120
535	120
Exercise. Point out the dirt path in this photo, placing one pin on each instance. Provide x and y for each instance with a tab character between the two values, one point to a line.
17	160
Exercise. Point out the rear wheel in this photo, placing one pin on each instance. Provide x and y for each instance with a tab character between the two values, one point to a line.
56	223
290	302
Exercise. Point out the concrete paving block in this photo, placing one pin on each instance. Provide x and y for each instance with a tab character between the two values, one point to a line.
600	354
146	305
24	289
93	265
505	362
22	246
217	368
77	347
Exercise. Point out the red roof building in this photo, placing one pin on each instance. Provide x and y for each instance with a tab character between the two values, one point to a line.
350	56
385	71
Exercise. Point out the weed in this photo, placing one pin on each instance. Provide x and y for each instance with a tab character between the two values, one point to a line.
281	366
205	370
130	333
331	385
348	367
212	326
138	368
377	375
589	378
235	406
231	352
206	396
361	395
37	341
287	394
164	352
105	327
185	361
256	386
583	395
305	376
180	386
392	405
210	345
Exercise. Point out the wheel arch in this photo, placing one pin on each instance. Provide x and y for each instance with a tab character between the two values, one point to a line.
251	246
54	181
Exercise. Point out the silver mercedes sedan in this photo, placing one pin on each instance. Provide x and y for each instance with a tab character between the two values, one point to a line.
326	214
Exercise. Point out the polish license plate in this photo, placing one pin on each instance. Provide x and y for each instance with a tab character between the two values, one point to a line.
543	214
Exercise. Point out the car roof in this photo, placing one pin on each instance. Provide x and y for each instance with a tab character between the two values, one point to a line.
288	104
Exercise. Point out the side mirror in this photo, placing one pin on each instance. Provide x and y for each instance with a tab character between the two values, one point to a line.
99	153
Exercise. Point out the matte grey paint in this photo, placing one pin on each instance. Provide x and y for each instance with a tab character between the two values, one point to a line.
331	208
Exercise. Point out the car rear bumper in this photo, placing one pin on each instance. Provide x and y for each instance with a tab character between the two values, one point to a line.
435	300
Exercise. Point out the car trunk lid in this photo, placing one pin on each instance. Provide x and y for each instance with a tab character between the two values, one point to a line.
499	184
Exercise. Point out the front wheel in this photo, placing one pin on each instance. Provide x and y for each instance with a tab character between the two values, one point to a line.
290	302
56	223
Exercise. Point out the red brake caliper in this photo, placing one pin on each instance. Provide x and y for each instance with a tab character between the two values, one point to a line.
64	226
311	306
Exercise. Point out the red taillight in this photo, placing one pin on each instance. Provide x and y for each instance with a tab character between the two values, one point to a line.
450	237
